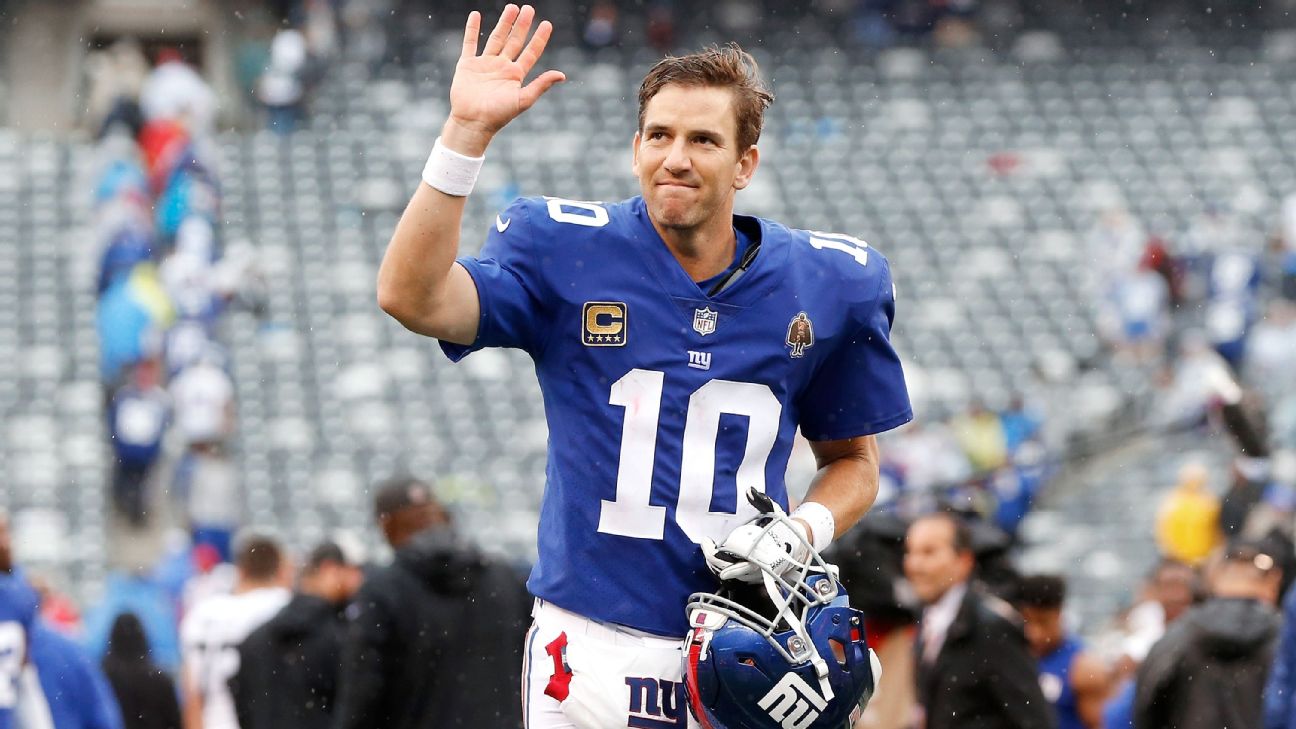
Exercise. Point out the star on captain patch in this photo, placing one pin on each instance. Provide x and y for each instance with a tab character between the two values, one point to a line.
704	320
800	335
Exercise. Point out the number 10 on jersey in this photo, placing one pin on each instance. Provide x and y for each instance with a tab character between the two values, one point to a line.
639	391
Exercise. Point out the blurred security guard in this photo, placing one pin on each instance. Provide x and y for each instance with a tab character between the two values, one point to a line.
435	638
1209	669
288	668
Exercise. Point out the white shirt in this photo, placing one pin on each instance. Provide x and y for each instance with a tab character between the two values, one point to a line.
202	395
175	89
209	639
937	619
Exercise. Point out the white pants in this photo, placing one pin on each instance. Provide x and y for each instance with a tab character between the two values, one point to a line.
581	674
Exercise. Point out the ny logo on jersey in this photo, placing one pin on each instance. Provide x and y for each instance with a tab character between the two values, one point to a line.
656	703
699	360
704	320
793	703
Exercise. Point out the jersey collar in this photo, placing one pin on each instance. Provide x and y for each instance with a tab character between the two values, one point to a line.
762	275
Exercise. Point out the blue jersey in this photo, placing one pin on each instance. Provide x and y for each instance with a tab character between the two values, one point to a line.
18	605
1055	681
663	403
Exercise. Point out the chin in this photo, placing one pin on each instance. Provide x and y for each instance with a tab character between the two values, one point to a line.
677	215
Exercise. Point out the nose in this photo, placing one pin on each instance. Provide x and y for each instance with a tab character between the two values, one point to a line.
677	159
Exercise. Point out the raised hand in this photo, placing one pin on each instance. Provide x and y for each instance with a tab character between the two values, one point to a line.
487	90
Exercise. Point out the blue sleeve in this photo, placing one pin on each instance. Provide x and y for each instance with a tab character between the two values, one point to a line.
860	389
1278	689
88	688
1119	712
106	713
509	286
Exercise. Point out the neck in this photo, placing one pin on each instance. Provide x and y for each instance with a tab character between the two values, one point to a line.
250	585
703	251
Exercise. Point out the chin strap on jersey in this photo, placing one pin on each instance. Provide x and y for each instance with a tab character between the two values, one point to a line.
794	621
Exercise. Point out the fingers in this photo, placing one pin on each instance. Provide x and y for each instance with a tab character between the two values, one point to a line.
517	36
472	29
532	52
497	37
534	90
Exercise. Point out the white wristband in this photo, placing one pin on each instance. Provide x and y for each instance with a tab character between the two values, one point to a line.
823	527
450	172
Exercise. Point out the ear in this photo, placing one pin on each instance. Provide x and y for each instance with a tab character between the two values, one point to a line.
634	155
967	563
747	163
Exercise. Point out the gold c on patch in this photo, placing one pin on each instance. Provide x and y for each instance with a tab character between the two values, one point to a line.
603	324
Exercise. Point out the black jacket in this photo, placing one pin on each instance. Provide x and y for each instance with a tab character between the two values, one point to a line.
145	693
1208	671
435	640
984	676
288	667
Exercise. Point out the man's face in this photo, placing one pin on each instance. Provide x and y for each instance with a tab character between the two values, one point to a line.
1173	588
339	582
1043	628
687	158
404	523
931	563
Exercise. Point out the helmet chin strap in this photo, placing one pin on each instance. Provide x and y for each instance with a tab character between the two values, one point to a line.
786	611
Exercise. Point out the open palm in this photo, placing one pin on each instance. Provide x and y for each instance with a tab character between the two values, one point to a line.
487	91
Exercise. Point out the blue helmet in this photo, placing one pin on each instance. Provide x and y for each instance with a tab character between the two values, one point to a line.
786	654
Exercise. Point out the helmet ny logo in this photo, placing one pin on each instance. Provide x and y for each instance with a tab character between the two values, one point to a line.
793	702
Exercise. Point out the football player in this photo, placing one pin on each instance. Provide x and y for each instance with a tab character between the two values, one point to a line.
678	348
211	632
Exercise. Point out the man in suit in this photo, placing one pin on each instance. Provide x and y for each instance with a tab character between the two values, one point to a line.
974	668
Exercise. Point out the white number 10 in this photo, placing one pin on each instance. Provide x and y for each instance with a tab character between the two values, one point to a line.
640	393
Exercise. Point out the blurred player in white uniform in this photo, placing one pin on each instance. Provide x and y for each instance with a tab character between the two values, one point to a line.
211	633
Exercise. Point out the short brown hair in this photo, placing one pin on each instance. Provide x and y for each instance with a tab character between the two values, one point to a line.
727	66
258	557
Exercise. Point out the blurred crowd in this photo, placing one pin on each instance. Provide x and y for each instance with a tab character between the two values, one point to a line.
431	637
165	278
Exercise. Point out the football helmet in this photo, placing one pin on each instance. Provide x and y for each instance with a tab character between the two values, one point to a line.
788	653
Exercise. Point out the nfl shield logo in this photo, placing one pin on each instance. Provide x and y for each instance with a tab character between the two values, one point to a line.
704	321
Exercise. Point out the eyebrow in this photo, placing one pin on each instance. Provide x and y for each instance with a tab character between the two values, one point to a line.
650	128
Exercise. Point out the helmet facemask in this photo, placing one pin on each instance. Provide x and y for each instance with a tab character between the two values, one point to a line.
781	602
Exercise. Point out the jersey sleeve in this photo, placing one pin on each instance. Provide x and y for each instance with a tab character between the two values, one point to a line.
860	389
509	286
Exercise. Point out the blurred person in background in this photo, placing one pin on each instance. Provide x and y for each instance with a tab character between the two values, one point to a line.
1074	680
1209	669
1247	482
145	694
24	704
1187	525
175	91
981	434
974	666
1286	245
137	421
1135	317
871	561
288	668
435	638
114	78
78	693
212	631
281	88
206	481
